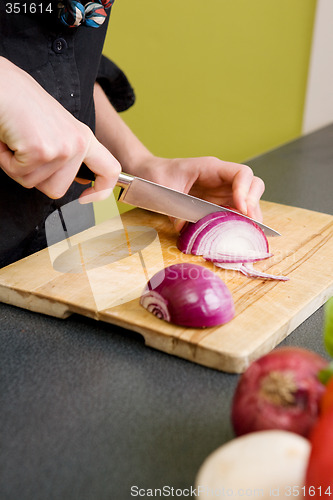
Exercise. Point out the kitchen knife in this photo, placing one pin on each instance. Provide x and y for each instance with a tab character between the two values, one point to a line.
156	198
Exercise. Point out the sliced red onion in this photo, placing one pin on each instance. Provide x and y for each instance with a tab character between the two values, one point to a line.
190	231
188	295
227	238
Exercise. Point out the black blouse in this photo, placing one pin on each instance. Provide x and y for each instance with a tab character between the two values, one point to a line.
66	62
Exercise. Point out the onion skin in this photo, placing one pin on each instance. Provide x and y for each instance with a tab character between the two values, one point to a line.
280	390
188	295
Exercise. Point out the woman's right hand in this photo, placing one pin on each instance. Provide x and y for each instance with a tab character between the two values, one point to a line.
42	145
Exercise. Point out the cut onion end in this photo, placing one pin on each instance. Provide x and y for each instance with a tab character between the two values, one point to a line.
248	270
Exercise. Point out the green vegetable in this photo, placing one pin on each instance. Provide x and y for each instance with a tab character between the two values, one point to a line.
328	327
326	374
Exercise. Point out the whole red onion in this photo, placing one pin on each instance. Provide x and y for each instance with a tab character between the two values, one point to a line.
280	390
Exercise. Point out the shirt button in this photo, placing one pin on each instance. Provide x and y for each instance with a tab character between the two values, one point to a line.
59	45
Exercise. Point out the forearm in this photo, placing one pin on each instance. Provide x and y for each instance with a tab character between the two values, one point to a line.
217	181
42	145
117	137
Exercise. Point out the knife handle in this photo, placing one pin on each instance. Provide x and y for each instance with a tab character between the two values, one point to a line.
124	180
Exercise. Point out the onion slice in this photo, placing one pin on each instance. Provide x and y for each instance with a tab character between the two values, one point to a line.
248	270
228	240
188	295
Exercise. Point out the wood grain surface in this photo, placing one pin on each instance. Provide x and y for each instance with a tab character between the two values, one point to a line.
100	273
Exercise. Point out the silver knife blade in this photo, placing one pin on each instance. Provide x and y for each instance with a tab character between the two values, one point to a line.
156	198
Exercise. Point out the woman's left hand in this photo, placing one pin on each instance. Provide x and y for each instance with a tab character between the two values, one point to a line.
220	182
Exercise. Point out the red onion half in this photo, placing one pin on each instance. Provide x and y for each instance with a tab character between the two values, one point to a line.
229	240
188	295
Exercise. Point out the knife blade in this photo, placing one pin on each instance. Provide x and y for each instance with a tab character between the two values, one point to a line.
161	199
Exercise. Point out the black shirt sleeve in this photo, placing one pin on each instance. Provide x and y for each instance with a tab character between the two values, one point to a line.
115	84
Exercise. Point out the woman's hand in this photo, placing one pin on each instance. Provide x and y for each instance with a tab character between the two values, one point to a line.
42	145
209	178
220	182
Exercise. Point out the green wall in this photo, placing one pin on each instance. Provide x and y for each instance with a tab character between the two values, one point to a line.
221	77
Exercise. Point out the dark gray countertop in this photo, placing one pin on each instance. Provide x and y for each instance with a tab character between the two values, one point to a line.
87	411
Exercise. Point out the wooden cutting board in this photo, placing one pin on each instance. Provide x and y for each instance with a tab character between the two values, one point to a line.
101	272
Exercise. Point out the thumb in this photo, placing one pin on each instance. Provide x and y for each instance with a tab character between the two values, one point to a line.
107	169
